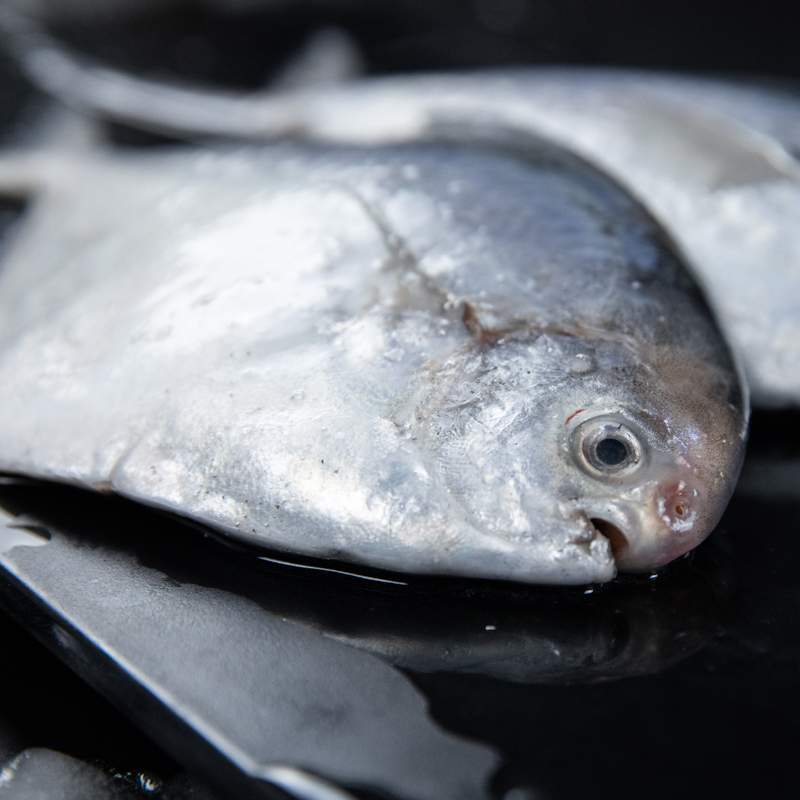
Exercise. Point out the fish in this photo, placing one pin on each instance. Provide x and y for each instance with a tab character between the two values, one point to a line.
436	358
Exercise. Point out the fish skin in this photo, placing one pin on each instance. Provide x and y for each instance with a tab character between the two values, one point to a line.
715	160
380	355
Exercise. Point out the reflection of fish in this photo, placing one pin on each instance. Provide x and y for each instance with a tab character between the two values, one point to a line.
630	627
633	636
425	358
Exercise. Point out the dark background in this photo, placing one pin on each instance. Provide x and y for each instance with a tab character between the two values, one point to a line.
455	34
725	722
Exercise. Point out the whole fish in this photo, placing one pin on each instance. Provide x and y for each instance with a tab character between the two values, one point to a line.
434	358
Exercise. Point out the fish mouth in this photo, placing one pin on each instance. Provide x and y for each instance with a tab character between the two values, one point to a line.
617	540
656	529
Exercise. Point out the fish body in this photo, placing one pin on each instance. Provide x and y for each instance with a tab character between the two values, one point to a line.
431	358
714	160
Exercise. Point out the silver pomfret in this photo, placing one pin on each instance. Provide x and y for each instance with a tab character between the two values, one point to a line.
426	358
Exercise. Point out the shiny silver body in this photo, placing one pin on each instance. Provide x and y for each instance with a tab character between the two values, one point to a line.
399	356
714	160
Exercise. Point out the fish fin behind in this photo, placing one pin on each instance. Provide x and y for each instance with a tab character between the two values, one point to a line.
155	106
329	57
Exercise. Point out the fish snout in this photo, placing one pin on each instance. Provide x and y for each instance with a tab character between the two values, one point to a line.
680	511
654	527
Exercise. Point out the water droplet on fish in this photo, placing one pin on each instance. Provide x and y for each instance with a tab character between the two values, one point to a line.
395	354
580	364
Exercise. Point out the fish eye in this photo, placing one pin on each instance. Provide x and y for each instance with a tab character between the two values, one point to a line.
606	447
610	452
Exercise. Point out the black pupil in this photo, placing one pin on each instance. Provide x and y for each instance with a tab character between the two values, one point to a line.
611	452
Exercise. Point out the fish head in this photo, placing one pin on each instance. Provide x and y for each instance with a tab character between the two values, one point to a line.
658	445
573	440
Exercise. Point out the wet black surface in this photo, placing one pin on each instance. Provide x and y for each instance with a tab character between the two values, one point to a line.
684	685
720	724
